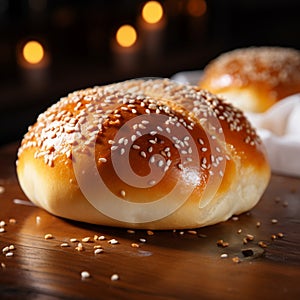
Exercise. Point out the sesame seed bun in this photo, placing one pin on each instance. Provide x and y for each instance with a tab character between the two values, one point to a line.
149	154
255	78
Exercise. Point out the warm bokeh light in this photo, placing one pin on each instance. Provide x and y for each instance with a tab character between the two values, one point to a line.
126	36
152	12
33	52
196	8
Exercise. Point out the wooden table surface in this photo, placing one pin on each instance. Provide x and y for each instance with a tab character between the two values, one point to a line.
166	265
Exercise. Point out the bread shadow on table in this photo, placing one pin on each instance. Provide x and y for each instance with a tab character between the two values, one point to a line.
227	237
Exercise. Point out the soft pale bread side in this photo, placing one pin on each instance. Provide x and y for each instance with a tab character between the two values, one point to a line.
227	173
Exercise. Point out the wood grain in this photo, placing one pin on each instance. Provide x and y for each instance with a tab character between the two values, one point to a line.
169	265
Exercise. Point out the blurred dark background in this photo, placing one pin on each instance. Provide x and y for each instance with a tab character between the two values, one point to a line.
78	36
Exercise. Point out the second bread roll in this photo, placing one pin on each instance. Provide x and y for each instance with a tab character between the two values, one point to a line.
254	78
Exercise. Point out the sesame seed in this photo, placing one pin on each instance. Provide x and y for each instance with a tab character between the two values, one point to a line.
160	163
192	232
258	224
123	193
114	277
143	154
150	232
12	221
79	247
130	231
239	231
152	106
73	240
101	238
113	242
224	255
249	237
136	147
135	245
2	189
280	235
121	140
142	240
98	251
201	141
86	239
122	151
152	159
274	221
236	260
3	265
103	159
152	182
64	245
85	274
5	249
2	223
48	236
221	243
262	244
235	218
9	254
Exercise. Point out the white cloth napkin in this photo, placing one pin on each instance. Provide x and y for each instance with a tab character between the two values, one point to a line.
279	129
188	77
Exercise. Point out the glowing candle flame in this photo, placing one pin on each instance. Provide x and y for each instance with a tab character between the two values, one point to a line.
33	52
152	12
126	36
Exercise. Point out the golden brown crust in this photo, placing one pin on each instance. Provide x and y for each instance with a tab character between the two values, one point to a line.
254	78
141	120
